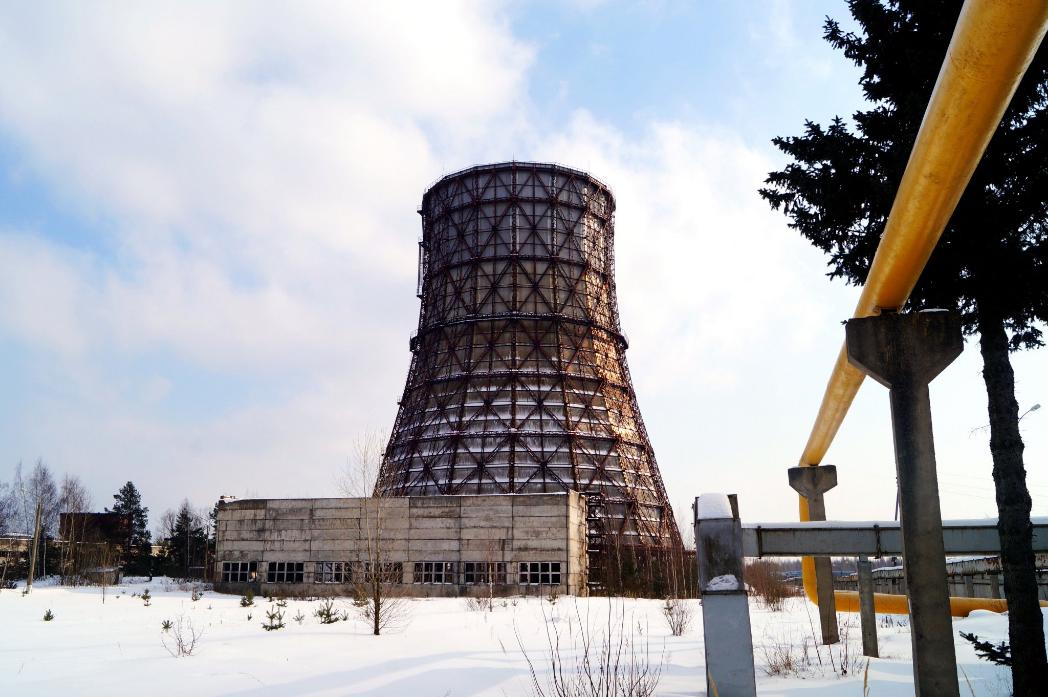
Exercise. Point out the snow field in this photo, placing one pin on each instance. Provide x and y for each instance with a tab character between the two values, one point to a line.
115	648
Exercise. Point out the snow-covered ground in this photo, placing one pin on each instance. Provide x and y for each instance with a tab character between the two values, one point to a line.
116	648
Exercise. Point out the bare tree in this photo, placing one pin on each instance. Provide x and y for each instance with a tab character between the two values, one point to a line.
182	639
73	497
8	520
491	563
8	508
165	528
103	564
20	499
41	488
377	601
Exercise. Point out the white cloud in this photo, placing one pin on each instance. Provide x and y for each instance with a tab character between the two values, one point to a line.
698	254
261	166
42	293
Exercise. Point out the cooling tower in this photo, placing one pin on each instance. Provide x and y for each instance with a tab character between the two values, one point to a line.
518	379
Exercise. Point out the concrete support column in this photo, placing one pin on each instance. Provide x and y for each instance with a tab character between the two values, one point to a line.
904	352
725	606
867	615
812	483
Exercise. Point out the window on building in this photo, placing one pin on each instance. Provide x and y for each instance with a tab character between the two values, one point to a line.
285	572
331	572
434	572
539	573
483	572
239	571
389	572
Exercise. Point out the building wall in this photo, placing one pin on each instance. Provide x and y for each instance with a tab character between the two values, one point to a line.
456	530
974	577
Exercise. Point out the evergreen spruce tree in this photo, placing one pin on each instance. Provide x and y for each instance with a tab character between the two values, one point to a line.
187	545
991	263
138	549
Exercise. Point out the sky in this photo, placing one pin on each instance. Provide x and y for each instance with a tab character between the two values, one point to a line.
208	236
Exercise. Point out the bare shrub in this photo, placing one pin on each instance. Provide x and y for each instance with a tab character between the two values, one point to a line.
596	659
785	657
474	604
384	610
845	659
767	584
181	639
679	615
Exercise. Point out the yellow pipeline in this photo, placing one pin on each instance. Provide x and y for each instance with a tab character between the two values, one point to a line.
992	45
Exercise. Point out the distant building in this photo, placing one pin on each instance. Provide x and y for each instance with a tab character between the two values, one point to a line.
93	545
968	577
14	553
110	528
429	545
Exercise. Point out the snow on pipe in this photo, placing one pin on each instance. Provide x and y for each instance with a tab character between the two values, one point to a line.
992	45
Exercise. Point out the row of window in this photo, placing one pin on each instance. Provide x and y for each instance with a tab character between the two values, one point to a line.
294	572
529	573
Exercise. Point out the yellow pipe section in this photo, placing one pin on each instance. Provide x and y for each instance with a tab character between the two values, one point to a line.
992	45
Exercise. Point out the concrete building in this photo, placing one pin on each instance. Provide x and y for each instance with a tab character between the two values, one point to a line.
426	545
968	577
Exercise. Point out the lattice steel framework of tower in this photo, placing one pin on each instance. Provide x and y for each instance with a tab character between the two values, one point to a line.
518	379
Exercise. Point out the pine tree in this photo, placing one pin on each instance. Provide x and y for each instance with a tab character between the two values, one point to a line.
186	545
999	654
138	550
991	263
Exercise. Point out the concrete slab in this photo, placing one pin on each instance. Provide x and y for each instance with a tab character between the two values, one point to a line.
302	513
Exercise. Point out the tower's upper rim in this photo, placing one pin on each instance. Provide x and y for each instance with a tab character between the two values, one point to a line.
519	164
